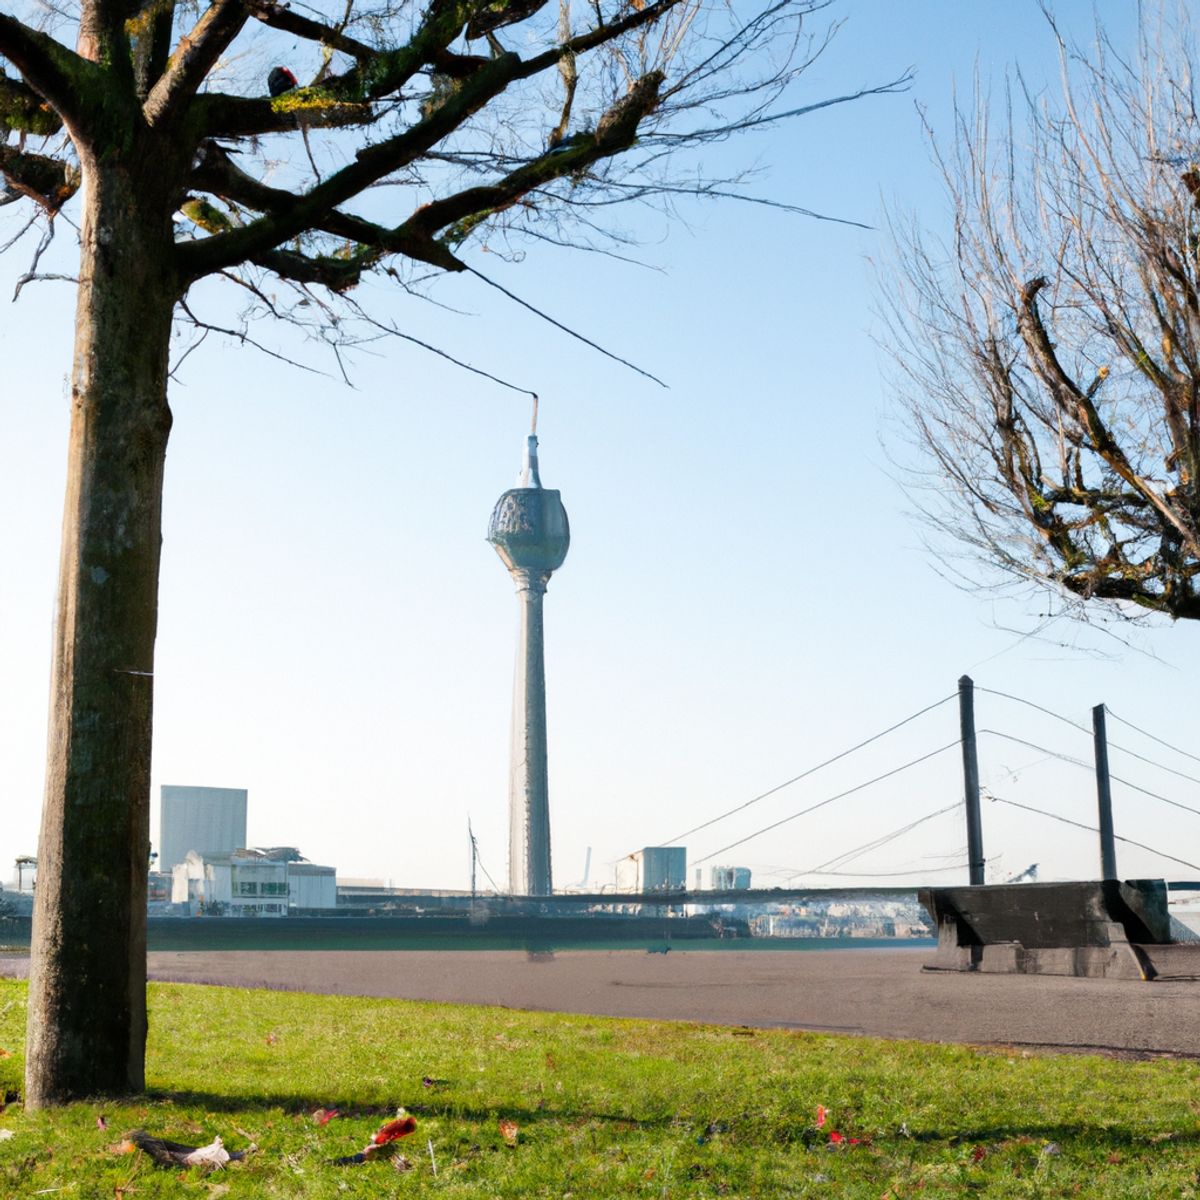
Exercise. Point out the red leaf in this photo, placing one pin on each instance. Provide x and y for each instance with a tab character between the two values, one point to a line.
820	1116
393	1130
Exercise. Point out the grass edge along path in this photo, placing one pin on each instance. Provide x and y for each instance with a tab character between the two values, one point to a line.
520	1104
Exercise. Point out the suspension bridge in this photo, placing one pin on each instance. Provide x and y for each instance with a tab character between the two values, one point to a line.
1056	741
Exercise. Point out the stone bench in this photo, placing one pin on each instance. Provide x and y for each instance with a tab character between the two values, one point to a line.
1099	929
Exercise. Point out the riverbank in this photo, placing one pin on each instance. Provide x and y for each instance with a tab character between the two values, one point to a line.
878	993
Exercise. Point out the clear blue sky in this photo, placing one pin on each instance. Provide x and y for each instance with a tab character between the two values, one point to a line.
745	594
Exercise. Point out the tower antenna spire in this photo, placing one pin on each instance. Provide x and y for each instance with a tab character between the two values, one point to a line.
533	424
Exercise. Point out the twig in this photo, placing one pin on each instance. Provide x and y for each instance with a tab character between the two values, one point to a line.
566	329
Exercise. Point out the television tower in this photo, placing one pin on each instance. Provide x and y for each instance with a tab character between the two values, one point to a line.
530	532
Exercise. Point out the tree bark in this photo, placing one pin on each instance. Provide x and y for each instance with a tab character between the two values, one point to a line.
87	994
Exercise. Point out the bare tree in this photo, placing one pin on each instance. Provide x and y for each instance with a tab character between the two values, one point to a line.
401	143
1049	356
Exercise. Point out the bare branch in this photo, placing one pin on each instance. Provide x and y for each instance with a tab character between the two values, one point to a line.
278	16
49	182
22	109
566	329
193	59
55	73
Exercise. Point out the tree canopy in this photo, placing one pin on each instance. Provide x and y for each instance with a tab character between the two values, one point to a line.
186	144
1048	352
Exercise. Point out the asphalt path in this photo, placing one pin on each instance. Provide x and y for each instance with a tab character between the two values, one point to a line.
875	993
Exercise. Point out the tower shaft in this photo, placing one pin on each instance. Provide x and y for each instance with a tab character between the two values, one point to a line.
528	784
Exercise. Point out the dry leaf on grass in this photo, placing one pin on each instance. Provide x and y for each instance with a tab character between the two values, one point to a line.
509	1131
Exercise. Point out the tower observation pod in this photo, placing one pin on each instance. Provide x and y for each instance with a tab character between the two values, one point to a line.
530	532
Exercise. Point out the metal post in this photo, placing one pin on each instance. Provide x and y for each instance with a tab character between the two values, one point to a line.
966	717
1108	844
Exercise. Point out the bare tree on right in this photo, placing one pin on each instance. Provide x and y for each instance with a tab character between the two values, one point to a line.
1049	351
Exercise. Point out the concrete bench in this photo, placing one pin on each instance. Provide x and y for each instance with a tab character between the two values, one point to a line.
1099	929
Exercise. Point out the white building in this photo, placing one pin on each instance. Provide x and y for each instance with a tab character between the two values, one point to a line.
209	820
727	879
252	883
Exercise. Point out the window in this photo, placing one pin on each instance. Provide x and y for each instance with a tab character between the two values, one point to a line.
247	889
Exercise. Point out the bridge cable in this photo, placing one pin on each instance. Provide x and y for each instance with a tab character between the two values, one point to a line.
1144	733
1030	704
842	860
1078	762
893	874
1111	745
829	800
810	771
1092	829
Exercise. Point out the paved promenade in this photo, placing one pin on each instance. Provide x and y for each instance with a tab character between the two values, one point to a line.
879	993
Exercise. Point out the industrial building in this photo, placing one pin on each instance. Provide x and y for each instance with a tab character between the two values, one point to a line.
252	883
664	869
728	879
209	820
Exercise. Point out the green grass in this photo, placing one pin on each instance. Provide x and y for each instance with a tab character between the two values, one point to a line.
603	1107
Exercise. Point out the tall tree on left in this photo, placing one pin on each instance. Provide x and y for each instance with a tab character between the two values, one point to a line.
178	169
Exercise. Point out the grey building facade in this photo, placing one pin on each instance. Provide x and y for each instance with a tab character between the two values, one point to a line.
209	820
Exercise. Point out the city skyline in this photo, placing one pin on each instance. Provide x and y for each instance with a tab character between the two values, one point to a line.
746	595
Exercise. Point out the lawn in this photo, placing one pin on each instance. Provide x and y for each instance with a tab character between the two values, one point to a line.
516	1104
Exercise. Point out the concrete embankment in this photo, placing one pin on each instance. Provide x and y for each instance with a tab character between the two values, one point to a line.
879	993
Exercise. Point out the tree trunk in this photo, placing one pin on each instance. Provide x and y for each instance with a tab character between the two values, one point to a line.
87	994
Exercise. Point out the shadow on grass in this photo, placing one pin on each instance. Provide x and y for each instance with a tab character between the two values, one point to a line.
302	1105
1068	1134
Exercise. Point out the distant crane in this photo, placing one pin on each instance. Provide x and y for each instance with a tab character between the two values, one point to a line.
1030	874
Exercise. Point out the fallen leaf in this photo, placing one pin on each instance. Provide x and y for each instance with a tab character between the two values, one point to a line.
840	1141
324	1115
272	1039
124	1147
5	1053
978	1154
1114	1158
649	1173
821	1112
509	1131
402	1126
